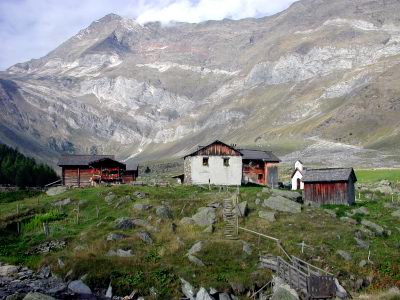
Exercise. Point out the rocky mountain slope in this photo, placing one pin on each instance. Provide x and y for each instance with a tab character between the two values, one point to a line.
318	74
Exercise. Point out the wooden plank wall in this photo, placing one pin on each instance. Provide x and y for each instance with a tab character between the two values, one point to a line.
70	176
251	169
326	192
217	150
76	176
271	175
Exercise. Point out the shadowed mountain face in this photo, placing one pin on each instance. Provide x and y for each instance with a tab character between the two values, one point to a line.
321	75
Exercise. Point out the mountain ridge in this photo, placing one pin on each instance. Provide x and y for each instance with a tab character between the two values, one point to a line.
317	73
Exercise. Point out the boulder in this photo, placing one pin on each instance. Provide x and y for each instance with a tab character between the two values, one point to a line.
63	202
144	223
241	209
116	236
164	212
280	203
44	272
109	291
396	213
361	210
340	291
362	263
145	237
142	206
294	196
109	198
237	287
206	216
78	287
139	195
195	260
187	221
267	215
344	254
120	253
348	220
258	201
8	270
187	289
202	294
361	243
373	226
247	248
124	223
196	248
330	212
56	190
224	296
37	296
214	205
282	291
122	201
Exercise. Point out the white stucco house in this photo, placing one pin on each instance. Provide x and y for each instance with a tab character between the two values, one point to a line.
297	176
217	163
222	164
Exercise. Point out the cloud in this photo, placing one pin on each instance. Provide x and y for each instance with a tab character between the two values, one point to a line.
32	28
194	12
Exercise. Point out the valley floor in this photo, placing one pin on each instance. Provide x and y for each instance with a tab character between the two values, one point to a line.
142	238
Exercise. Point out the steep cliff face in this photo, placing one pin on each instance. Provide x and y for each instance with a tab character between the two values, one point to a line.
319	71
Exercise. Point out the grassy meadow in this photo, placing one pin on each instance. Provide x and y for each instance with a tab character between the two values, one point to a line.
160	264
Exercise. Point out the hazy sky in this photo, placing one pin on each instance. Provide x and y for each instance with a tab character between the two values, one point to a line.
32	28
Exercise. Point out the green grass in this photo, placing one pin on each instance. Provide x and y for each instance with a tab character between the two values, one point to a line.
375	175
160	264
6	197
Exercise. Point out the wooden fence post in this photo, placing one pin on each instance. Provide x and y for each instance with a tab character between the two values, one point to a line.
97	212
18	225
77	214
46	229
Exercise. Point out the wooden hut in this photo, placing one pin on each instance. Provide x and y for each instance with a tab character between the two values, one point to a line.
329	186
86	170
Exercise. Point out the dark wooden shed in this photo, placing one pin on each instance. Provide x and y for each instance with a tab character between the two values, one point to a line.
86	170
329	186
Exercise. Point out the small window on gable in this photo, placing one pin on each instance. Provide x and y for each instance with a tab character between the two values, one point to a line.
260	176
226	161
205	161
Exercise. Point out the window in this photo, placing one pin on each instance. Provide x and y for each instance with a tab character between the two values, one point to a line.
226	161
260	176
205	161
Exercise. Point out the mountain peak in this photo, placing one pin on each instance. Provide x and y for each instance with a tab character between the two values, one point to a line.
109	17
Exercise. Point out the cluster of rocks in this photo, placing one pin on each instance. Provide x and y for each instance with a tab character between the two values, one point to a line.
22	283
383	186
110	197
191	293
46	247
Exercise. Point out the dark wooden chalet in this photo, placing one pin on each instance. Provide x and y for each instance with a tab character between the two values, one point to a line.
260	167
329	186
86	170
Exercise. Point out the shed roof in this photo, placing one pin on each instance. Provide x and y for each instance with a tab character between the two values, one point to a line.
259	155
80	160
104	159
329	175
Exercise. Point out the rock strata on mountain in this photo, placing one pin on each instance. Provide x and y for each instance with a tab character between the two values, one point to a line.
318	75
